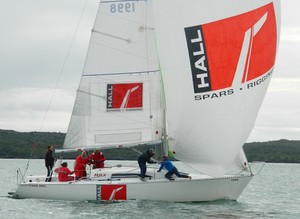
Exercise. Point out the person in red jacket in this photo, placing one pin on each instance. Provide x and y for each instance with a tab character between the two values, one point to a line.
97	159
79	166
64	172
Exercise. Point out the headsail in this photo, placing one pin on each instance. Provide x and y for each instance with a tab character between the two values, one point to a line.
118	101
217	58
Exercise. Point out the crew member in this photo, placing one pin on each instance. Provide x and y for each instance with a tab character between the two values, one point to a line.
64	172
143	159
80	164
97	159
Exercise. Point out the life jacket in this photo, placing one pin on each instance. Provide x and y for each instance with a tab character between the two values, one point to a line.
63	174
80	164
98	160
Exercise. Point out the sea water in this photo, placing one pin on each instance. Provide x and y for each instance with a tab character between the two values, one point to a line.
274	193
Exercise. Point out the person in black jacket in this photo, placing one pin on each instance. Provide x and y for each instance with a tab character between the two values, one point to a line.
142	159
49	162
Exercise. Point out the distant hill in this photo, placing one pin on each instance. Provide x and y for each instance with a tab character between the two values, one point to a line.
27	144
33	145
282	151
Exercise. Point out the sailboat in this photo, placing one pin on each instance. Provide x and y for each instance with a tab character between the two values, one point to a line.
190	75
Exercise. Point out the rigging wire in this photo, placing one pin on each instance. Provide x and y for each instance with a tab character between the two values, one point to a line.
64	64
59	77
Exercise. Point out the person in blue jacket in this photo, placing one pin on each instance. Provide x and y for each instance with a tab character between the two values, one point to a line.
143	159
171	169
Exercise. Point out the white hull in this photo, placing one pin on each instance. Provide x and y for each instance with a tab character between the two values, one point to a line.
200	188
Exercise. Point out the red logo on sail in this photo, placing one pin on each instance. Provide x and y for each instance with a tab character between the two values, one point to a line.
113	192
232	51
124	96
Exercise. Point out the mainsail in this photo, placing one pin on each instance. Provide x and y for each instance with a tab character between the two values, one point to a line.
216	58
119	99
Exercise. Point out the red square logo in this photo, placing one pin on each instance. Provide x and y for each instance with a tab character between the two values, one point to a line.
113	192
124	96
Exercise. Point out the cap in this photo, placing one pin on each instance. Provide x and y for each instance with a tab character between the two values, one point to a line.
151	151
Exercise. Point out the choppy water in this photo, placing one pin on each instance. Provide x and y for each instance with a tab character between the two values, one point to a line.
274	193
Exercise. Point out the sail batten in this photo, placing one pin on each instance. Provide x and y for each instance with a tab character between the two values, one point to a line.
119	73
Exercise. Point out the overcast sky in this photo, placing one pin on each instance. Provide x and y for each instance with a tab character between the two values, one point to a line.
36	36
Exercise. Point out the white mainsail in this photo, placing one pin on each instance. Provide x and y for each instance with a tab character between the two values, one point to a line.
203	46
119	99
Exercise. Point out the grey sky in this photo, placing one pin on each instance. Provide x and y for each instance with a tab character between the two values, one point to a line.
35	39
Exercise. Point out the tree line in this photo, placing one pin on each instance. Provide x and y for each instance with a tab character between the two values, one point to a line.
33	145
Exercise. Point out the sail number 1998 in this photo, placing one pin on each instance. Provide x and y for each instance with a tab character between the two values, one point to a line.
122	7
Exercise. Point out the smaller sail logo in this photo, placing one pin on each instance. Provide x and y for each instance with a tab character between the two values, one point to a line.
123	97
229	53
112	192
